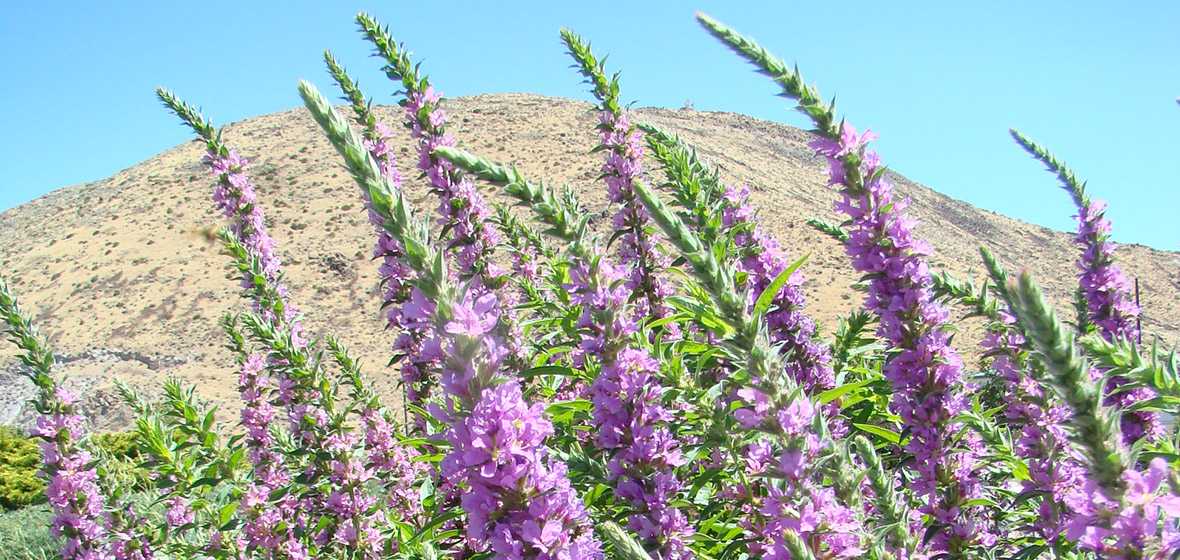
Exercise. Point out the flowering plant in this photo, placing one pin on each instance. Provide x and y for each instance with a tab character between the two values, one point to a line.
659	394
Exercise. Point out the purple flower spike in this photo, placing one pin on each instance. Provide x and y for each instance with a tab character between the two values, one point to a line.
1111	309
78	505
1143	525
925	371
807	360
464	212
631	423
640	249
518	499
1043	440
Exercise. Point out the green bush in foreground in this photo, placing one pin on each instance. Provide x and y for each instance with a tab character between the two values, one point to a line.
20	459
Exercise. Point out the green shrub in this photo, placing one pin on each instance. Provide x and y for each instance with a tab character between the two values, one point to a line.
20	458
119	445
121	450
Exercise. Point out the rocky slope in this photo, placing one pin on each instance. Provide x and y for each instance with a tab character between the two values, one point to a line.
124	276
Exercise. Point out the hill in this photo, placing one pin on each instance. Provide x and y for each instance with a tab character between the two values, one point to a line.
125	278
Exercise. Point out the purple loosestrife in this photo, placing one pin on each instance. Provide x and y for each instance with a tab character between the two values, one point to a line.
393	463
641	252
464	213
640	247
806	456
631	424
926	372
396	277
517	498
1141	525
1118	511
79	516
793	499
788	493
807	360
1040	424
1112	310
1106	291
330	507
469	234
127	541
386	459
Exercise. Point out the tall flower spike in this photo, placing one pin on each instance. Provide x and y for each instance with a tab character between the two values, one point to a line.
1094	426
625	395
470	234
631	424
519	501
464	212
1118	512
396	276
641	251
804	509
925	372
724	216
72	488
339	512
1054	469
1106	291
235	197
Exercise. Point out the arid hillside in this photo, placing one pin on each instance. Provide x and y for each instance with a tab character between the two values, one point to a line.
124	277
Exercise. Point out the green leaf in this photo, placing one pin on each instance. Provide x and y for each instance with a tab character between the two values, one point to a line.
835	393
226	513
887	434
767	296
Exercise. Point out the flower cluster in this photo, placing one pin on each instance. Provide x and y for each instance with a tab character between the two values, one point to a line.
517	498
788	496
630	421
925	372
808	361
1043	442
78	505
736	434
1110	307
640	249
392	462
235	197
464	212
127	542
1130	528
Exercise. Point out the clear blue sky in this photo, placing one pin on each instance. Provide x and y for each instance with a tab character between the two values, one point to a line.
940	81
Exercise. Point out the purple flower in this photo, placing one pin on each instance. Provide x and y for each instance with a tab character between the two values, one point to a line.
72	490
924	370
1043	440
178	512
518	501
1112	310
631	424
473	318
464	213
808	361
1143	524
640	250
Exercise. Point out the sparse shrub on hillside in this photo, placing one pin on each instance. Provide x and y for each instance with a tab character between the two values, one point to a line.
660	394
